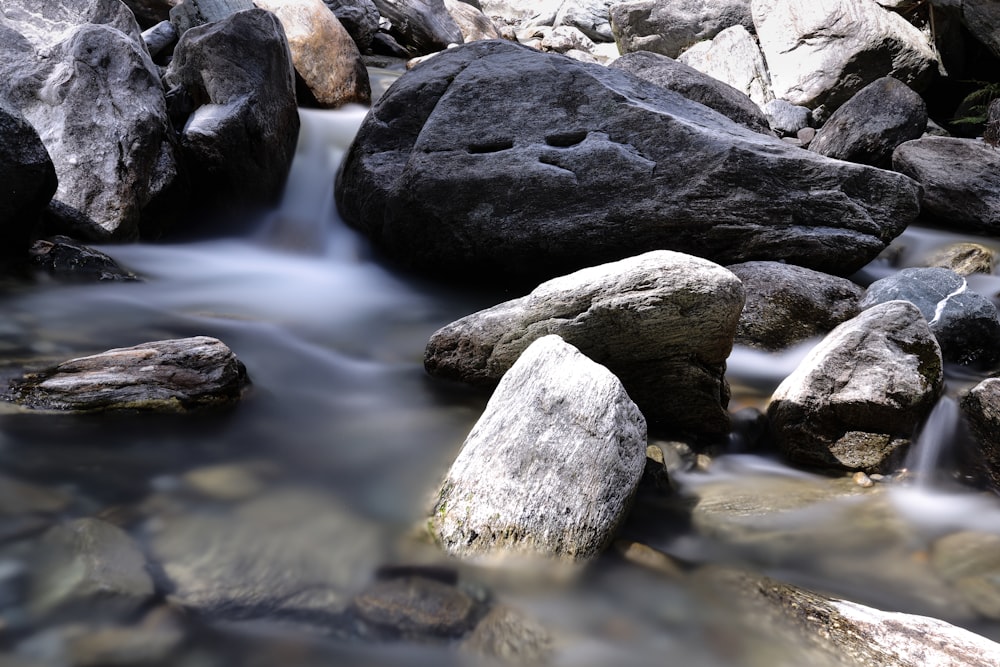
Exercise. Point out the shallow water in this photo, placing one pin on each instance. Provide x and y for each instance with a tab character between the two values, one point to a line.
333	342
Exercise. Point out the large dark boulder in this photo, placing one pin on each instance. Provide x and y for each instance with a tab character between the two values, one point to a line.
27	183
420	26
497	160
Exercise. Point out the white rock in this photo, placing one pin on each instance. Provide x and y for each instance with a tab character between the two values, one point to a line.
733	57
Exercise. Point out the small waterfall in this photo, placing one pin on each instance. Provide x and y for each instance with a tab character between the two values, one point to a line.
937	434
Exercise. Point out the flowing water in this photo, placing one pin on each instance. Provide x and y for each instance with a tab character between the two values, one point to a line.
333	341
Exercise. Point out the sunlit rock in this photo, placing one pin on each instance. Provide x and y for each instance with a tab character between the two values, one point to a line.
965	259
471	21
671	27
734	57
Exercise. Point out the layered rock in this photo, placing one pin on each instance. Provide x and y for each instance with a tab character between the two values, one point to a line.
669	28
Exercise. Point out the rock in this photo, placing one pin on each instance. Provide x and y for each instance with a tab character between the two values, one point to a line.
786	118
734	58
857	399
230	482
233	90
29	181
556	40
167	375
694	85
522	13
551	466
636	316
964	322
591	17
420	26
964	259
787	304
416	607
160	38
473	24
821	53
960	178
991	132
21	497
511	637
359	17
150	12
78	72
537	183
323	52
970	561
669	28
88	566
869	126
982	18
981	408
64	259
193	13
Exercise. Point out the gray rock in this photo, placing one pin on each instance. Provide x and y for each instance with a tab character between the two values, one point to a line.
960	179
821	53
855	402
637	316
233	90
473	24
591	17
733	57
168	375
869	126
550	468
787	304
671	27
420	26
694	85
964	322
563	39
193	13
981	407
359	17
567	164
982	18
28	183
786	118
64	259
522	13
160	38
79	73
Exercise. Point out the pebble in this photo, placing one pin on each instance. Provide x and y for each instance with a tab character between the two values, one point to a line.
862	480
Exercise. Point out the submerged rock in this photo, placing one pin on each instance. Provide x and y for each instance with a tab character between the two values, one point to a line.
167	375
970	561
416	607
551	466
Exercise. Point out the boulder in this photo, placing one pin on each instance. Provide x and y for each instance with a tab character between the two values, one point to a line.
522	13
232	89
550	468
663	322
150	12
821	53
64	259
324	54
965	259
857	399
567	164
671	27
981	407
160	39
563	39
420	26
785	118
787	304
193	13
869	126
79	73
28	181
473	24
694	85
960	179
964	322
167	375
733	57
359	17
591	17
982	18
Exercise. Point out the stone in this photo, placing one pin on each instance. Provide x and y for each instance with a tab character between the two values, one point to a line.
694	85
28	182
733	57
473	24
193	13
522	13
965	259
150	12
420	26
669	28
787	304
359	17
232	86
591	17
869	126
64	259
510	636
19	497
556	40
160	38
163	376
856	401
982	18
324	54
79	73
970	561
538	183
416	607
964	322
663	322
549	469
821	53
786	118
981	407
960	179
991	132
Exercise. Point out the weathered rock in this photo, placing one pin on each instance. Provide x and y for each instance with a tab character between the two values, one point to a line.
28	183
416	607
473	24
359	17
970	561
734	58
855	402
233	89
420	26
869	126
787	304
88	565
551	466
671	27
786	118
323	52
166	375
78	72
193	13
960	178
567	164
150	12
591	17
563	39
964	322
522	13
663	322
964	259
694	85
821	53
981	407
64	259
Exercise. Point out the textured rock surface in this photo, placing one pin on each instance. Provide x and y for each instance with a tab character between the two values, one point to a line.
733	57
786	118
550	468
965	259
787	304
856	400
567	164
359	17
192	13
591	17
64	259
420	26
166	375
663	322
27	183
671	27
471	22
981	407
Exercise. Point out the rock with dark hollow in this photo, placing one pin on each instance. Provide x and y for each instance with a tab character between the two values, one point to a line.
663	322
857	399
550	468
567	164
981	407
166	375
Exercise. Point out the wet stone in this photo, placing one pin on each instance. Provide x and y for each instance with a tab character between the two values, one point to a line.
970	561
64	259
415	607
